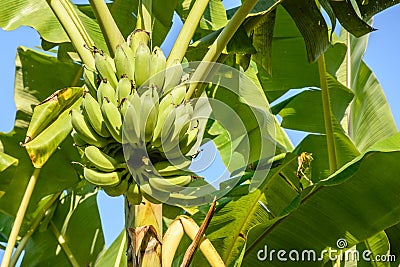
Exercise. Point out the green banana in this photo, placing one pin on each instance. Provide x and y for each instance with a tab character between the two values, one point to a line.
92	111
133	194
142	64
178	94
106	67
148	113
157	68
167	132
78	141
112	119
85	131
131	126
166	168
106	90
188	140
101	160
170	184
173	75
115	191
136	37
165	108
124	89
102	178
90	79
124	61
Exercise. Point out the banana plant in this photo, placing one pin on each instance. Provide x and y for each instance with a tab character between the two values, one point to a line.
119	114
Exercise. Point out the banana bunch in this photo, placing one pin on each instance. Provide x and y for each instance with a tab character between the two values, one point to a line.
133	103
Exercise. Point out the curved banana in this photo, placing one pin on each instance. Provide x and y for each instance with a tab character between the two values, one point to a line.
133	194
118	190
178	94
124	61
105	66
171	183
92	111
173	75
157	68
136	37
165	108
102	178
166	168
188	140
112	119
106	90
124	89
148	113
85	131
131	126
101	160
142	64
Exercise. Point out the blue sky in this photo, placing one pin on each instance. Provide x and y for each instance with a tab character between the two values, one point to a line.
382	56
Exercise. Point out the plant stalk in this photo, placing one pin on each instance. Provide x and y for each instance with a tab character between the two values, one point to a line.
144	19
19	218
64	245
74	29
109	28
185	35
218	46
326	104
31	230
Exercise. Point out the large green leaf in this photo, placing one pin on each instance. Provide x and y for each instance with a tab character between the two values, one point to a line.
115	255
230	225
304	111
32	85
340	207
38	15
76	225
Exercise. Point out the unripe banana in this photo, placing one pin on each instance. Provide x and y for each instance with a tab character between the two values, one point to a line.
148	113
118	190
166	168
165	108
170	184
106	90
142	64
90	79
188	140
182	120
173	75
78	141
92	111
153	195
131	127
124	63
124	89
105	66
85	131
102	178
133	194
101	160
136	37
167	132
113	120
157	68
178	94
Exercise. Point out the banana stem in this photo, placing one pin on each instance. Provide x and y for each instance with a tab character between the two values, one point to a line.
185	35
217	47
109	28
64	245
326	103
73	26
19	218
31	230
